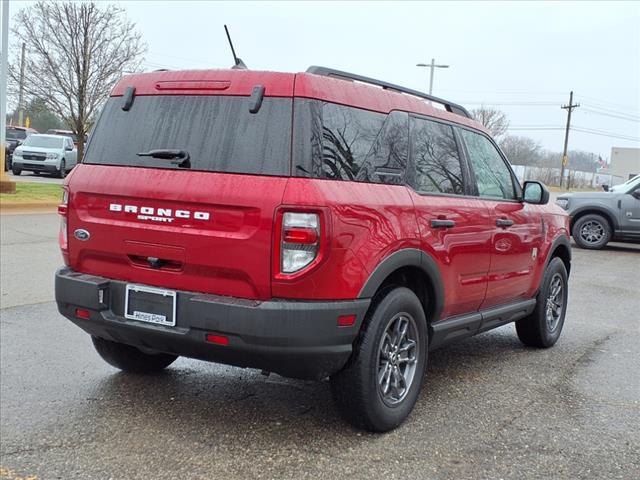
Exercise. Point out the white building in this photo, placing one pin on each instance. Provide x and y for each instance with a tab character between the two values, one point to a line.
625	162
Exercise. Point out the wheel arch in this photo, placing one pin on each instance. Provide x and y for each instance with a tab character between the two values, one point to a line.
415	270
613	222
561	248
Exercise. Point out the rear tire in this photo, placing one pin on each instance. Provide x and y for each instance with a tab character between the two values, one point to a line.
543	327
591	231
130	359
380	384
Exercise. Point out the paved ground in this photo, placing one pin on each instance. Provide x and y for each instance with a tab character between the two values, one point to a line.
490	409
32	177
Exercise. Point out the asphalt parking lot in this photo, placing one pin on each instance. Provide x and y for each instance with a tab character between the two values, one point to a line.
491	408
33	178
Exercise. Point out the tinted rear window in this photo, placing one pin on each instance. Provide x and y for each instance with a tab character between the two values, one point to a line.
15	133
219	133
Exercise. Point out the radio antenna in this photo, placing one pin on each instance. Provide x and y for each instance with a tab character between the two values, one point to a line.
238	63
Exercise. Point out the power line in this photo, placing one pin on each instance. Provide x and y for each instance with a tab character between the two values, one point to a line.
630	118
576	128
609	103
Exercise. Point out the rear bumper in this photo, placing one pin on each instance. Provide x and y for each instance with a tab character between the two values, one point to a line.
292	338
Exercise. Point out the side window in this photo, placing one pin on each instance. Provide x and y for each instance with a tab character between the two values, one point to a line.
348	135
333	141
69	143
492	173
435	158
387	159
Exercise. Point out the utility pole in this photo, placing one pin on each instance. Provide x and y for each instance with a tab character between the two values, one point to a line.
565	160
21	90
432	66
6	185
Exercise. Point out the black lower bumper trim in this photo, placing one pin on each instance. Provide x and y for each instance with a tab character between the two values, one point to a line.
298	339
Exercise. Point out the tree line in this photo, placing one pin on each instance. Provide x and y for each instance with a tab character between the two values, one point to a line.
521	150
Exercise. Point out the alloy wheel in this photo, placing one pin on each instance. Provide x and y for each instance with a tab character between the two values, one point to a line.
397	358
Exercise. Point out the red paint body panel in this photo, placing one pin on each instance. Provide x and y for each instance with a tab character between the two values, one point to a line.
230	254
226	240
367	223
463	253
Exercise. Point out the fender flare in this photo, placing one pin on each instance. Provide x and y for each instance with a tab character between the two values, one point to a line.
408	257
598	210
560	240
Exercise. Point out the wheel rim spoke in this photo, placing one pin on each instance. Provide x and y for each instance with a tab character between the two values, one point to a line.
397	358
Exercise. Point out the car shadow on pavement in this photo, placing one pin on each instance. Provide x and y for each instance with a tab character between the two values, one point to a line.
204	399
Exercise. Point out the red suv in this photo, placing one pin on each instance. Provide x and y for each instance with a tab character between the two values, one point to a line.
317	224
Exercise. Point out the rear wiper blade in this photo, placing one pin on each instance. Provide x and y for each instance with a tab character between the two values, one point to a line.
177	157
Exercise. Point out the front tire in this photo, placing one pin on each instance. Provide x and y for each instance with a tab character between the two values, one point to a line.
380	384
130	359
543	327
16	171
591	231
63	169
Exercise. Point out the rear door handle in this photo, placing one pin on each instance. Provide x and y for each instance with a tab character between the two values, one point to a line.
442	223
504	222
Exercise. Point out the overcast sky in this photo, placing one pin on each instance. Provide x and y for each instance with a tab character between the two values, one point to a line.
523	58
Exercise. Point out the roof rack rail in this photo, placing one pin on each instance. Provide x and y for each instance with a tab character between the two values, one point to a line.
330	72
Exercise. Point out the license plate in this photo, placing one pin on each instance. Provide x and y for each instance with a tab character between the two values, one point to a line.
151	305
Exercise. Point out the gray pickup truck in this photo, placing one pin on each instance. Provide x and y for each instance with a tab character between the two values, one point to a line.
598	217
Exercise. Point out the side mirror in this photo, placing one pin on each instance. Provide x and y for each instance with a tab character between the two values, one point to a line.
605	188
535	193
636	193
68	148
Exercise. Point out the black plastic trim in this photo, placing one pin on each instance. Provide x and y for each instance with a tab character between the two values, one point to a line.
330	72
408	257
298	339
463	326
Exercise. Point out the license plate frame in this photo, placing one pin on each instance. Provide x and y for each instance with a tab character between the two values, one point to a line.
133	312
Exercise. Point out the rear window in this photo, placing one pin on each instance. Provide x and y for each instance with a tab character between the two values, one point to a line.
219	133
15	133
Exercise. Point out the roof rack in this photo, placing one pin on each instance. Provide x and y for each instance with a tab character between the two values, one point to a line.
330	72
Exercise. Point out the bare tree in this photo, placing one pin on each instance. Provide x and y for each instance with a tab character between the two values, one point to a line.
521	150
494	120
76	52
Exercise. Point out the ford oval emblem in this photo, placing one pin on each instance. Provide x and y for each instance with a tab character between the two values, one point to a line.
82	234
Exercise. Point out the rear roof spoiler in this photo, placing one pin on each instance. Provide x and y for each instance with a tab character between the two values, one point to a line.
330	72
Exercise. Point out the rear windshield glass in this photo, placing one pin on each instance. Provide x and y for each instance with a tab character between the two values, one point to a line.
219	133
43	142
15	133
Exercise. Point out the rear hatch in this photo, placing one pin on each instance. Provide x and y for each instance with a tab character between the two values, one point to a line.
203	227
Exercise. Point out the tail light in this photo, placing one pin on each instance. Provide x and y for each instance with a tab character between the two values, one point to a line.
63	238
299	241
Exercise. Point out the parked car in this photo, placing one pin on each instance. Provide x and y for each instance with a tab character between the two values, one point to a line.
600	217
319	224
14	136
45	153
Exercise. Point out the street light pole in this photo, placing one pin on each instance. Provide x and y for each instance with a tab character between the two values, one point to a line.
432	66
6	185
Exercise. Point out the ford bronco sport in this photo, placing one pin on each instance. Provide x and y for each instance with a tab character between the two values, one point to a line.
317	224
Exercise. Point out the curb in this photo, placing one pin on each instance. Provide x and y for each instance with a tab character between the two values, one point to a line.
27	207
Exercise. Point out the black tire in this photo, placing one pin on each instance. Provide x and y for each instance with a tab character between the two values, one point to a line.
130	359
537	330
591	231
63	169
355	389
16	171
